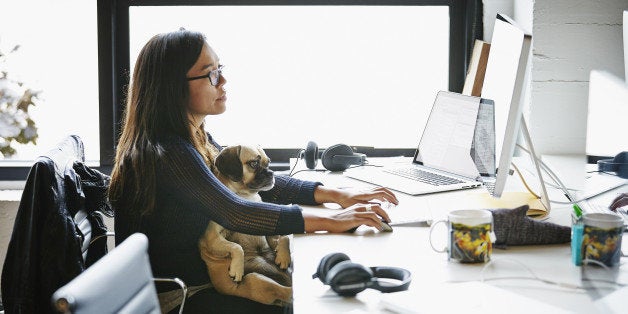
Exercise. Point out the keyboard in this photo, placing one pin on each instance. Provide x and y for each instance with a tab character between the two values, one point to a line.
423	176
490	186
593	207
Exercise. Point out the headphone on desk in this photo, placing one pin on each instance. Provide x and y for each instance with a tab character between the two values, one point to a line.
348	279
335	158
618	164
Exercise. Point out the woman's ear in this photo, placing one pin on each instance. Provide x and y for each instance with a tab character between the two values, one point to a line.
228	163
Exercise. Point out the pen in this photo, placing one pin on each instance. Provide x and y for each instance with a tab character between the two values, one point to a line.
577	210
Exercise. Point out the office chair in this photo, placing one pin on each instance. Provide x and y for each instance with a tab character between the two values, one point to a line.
120	282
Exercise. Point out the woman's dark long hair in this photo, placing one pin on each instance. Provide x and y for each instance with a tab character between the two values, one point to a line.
156	107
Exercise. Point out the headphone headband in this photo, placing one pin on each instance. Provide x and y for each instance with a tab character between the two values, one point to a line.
348	279
338	157
618	164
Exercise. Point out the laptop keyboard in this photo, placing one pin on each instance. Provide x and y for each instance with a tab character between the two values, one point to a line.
490	186
423	176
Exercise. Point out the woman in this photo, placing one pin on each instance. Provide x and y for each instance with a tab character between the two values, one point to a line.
162	184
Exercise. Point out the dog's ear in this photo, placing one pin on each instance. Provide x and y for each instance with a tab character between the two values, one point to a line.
228	163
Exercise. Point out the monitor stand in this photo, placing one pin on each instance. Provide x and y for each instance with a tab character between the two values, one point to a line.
536	160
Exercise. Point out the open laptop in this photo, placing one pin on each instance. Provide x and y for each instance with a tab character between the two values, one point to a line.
443	159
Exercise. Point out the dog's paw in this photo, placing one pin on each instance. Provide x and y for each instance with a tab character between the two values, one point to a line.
236	269
282	259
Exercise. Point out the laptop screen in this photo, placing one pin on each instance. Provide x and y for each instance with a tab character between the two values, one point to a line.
447	139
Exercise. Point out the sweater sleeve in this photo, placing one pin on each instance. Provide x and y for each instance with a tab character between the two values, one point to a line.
289	190
185	174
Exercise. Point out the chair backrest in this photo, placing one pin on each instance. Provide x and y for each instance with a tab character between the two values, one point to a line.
45	247
120	282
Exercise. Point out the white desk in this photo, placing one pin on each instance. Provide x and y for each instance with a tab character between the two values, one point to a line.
408	247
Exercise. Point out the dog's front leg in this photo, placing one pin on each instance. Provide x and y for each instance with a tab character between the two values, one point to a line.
217	246
281	245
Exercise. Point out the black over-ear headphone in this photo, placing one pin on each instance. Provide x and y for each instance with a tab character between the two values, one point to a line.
619	165
335	158
348	279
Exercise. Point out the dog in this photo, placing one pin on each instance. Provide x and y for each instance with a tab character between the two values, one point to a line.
249	266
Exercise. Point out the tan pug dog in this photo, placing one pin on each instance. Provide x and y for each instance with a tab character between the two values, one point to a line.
249	266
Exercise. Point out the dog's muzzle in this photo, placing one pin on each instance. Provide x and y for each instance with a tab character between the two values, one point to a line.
264	180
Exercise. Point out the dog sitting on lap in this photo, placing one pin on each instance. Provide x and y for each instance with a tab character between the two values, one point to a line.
249	266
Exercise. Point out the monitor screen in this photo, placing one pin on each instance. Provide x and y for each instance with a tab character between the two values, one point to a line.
504	83
606	115
626	45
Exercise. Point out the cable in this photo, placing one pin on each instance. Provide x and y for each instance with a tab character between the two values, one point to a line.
547	281
303	170
524	181
555	178
297	162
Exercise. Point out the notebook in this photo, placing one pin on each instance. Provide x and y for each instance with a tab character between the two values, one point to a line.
452	149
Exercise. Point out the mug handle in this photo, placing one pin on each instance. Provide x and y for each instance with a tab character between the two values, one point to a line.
444	250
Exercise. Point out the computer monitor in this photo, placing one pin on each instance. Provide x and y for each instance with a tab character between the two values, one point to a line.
606	115
626	46
505	83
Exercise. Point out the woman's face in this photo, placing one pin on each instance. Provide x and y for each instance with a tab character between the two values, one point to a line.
205	99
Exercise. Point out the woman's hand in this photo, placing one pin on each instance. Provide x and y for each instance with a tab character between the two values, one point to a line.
619	201
347	198
351	218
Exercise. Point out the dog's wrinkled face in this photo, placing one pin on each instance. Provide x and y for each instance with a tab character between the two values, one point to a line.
247	167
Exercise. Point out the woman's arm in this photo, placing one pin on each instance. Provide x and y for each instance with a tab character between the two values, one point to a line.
184	174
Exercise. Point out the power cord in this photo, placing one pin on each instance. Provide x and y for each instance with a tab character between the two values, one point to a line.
566	191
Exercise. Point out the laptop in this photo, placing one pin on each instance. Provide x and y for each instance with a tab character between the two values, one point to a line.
600	204
598	193
452	149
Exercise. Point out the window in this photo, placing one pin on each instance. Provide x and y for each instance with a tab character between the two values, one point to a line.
363	73
349	74
343	86
57	57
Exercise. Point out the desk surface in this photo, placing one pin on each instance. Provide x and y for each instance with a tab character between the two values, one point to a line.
577	289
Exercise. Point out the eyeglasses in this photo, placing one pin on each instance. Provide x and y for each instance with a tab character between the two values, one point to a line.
213	76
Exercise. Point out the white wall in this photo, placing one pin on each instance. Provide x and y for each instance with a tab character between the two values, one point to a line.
570	38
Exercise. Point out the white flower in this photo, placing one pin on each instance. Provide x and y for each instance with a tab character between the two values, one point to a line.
20	119
7	127
10	89
30	132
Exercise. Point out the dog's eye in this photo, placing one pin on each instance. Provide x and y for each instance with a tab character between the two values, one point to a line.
254	164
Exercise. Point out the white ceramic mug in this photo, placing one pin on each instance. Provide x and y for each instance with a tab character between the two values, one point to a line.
601	238
470	235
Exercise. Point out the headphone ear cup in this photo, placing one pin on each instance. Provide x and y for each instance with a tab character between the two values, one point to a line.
311	155
621	160
330	152
348	279
619	165
327	263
